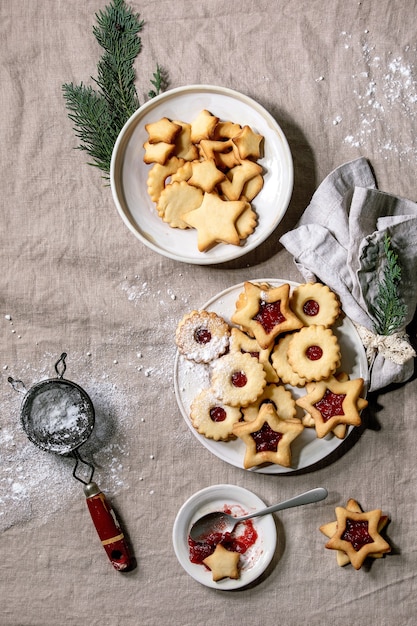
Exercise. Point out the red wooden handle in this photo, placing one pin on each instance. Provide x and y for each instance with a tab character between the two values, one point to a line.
108	527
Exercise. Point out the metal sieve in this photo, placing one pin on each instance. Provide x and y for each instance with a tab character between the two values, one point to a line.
58	416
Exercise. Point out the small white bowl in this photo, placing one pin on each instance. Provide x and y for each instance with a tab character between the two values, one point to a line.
257	558
129	173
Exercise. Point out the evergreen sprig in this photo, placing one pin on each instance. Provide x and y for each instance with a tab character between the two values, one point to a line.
100	114
389	311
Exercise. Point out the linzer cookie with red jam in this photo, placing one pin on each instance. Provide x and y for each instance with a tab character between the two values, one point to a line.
212	418
268	438
264	312
315	303
332	402
202	336
314	352
238	379
355	535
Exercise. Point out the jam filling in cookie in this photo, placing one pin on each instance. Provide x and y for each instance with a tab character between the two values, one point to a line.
356	533
202	336
266	439
331	404
269	315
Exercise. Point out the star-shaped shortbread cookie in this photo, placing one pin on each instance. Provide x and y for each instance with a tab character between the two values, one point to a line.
264	312
215	221
268	438
355	535
223	563
331	402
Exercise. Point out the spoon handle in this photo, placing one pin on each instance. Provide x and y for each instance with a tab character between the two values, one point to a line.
314	495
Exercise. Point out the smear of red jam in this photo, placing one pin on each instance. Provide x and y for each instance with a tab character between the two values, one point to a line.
266	439
314	353
242	538
217	414
330	405
311	308
357	533
239	379
269	315
254	354
202	335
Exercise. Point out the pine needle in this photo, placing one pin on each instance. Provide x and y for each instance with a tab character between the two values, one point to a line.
100	114
389	311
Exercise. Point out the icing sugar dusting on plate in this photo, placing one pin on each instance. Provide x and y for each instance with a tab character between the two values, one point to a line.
384	88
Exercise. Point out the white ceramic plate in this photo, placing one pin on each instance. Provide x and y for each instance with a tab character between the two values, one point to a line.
254	562
128	172
307	449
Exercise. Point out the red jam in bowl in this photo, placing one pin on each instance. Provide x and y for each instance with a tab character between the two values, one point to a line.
240	540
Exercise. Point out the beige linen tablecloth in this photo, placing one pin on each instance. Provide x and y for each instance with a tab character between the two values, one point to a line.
340	79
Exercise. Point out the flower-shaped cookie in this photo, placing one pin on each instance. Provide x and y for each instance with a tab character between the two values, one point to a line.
356	535
315	303
238	379
281	399
314	352
268	438
264	312
331	402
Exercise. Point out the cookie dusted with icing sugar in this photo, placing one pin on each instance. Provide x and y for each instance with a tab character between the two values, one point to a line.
315	303
202	336
264	312
238	379
212	418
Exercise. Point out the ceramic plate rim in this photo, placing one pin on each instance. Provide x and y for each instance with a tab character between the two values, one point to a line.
221	449
197	505
222	252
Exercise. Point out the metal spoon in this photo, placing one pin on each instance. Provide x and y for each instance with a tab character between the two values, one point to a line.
222	523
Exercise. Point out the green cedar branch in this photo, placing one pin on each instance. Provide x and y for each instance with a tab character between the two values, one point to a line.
389	311
99	114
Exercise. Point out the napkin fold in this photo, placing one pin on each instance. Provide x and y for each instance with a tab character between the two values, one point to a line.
339	241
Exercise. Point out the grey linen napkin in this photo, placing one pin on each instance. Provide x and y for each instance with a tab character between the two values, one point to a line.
339	241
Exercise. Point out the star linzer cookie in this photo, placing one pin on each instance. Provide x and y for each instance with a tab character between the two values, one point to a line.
355	535
268	438
264	312
331	402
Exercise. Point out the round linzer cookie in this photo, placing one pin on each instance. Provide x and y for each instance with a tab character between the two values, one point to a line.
238	379
315	303
212	418
314	352
202	336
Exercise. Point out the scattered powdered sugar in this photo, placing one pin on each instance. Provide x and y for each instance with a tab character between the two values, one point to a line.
384	88
35	484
